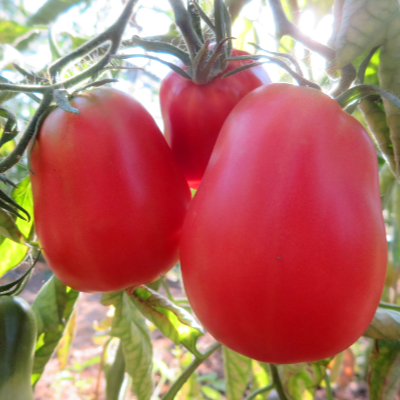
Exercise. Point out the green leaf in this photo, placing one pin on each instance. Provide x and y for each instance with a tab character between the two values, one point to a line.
115	375
237	373
65	343
9	229
50	10
301	380
76	40
173	321
130	326
23	196
360	25
211	393
10	30
260	378
384	370
244	32
11	254
360	92
53	308
385	325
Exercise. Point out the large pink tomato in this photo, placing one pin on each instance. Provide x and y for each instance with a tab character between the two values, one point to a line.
283	251
109	200
193	114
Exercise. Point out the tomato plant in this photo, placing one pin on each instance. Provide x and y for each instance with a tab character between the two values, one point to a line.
109	200
284	250
193	114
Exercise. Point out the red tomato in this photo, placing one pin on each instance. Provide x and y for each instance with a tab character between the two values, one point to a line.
193	114
283	251
109	200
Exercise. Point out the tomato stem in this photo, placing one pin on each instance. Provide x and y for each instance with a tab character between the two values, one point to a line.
264	389
277	382
174	389
329	394
15	156
389	306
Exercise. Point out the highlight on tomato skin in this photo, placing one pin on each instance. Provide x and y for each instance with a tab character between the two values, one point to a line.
109	199
194	114
283	251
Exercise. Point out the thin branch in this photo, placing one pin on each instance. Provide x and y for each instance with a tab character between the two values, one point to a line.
113	33
347	77
160	47
285	27
15	156
174	67
300	79
203	15
283	55
174	389
29	75
183	22
196	19
329	394
277	382
264	389
295	11
235	6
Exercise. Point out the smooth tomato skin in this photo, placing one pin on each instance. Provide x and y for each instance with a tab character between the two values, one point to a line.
109	199
283	251
194	114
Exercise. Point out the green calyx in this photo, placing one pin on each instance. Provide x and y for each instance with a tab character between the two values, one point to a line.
202	62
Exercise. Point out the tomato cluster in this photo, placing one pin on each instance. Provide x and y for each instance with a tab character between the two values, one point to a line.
283	248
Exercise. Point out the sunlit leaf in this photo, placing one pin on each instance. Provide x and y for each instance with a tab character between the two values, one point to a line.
115	375
360	26
237	373
7	148
8	227
10	30
11	254
211	393
53	307
23	196
173	321
260	378
244	32
301	380
385	325
66	341
384	370
130	326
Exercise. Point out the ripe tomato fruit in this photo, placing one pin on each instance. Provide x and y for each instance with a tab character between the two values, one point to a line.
283	251
109	199
193	114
